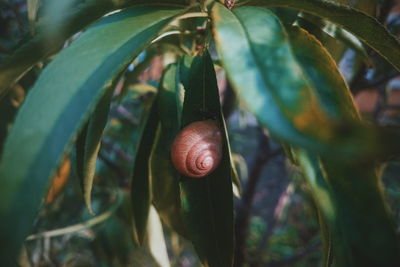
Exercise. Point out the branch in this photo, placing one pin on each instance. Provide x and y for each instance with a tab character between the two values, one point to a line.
245	207
362	85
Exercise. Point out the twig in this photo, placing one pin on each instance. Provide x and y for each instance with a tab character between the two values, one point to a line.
120	173
360	86
120	154
385	10
122	113
271	224
81	226
244	210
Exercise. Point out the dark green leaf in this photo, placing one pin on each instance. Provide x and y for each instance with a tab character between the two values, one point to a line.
88	145
323	31
361	215
59	24
352	206
32	6
207	201
348	40
80	154
56	108
165	179
287	16
170	102
155	239
266	76
45	43
366	6
321	69
343	192
234	173
322	196
8	108
140	185
184	70
365	27
334	95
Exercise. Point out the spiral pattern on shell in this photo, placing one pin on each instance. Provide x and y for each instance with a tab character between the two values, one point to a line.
196	150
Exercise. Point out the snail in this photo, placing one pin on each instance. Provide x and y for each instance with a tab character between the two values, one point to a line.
196	150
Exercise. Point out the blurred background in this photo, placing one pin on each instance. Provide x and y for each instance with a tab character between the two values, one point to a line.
276	222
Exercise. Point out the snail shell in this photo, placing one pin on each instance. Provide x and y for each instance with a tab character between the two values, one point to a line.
196	150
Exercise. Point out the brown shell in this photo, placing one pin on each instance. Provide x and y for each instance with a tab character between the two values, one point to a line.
197	149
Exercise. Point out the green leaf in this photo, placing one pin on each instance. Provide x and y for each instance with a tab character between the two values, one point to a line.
349	197
366	6
323	31
287	16
46	43
56	108
32	6
268	78
322	196
156	241
88	145
347	194
321	69
80	145
361	215
56	27
336	98
170	103
140	185
235	178
164	177
350	41
184	70
265	74
234	173
207	202
365	27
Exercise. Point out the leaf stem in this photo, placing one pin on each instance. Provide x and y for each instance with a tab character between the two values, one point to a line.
81	226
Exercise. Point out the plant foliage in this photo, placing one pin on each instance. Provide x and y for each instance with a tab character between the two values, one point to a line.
281	72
